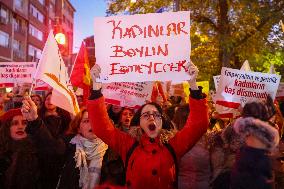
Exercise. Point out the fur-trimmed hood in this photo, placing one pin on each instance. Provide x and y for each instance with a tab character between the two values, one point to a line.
262	130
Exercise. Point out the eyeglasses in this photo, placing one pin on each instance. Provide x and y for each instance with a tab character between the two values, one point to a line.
147	115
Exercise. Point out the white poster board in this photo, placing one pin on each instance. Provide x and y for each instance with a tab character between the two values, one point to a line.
127	94
216	81
144	47
17	72
237	87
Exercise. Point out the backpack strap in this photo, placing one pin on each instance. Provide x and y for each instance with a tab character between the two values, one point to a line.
129	153
172	151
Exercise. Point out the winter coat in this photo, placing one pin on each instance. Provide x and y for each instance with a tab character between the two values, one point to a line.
194	169
70	176
19	166
51	149
252	169
151	165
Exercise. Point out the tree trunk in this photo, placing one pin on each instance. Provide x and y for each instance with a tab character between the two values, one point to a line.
225	49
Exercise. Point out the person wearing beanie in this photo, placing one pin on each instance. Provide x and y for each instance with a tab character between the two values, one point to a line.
252	168
18	156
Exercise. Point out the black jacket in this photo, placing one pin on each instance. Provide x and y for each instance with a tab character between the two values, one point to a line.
252	169
19	166
69	178
48	137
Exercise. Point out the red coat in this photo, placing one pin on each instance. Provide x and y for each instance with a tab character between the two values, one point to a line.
151	165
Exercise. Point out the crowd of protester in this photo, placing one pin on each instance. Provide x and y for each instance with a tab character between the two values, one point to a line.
167	143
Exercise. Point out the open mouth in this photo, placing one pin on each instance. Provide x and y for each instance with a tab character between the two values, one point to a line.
90	130
152	127
20	132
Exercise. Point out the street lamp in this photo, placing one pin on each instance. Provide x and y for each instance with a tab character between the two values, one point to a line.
60	38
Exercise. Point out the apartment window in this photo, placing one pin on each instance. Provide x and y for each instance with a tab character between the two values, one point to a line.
51	7
19	4
16	45
34	52
35	32
41	2
4	15
4	39
17	24
36	13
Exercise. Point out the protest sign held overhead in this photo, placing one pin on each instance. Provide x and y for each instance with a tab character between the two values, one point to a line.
238	87
16	72
245	67
227	112
127	94
145	47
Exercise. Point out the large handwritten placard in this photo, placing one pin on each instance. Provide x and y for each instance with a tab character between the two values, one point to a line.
237	87
127	94
17	72
145	47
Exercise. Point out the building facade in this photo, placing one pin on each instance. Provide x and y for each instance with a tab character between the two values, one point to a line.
25	25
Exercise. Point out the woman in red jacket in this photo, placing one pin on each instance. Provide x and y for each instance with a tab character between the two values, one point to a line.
150	162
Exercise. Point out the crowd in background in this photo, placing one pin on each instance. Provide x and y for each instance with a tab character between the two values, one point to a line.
56	150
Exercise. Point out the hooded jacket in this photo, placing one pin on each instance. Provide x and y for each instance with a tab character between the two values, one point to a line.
151	165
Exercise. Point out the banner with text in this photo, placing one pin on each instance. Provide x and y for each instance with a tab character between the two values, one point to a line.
237	87
144	47
16	72
127	94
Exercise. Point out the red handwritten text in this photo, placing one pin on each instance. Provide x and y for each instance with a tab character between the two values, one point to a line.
146	31
141	51
152	67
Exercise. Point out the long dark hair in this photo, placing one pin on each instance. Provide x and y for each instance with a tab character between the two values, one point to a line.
5	136
166	122
65	117
21	163
43	109
180	116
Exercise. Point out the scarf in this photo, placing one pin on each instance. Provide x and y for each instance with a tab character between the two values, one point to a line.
89	156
